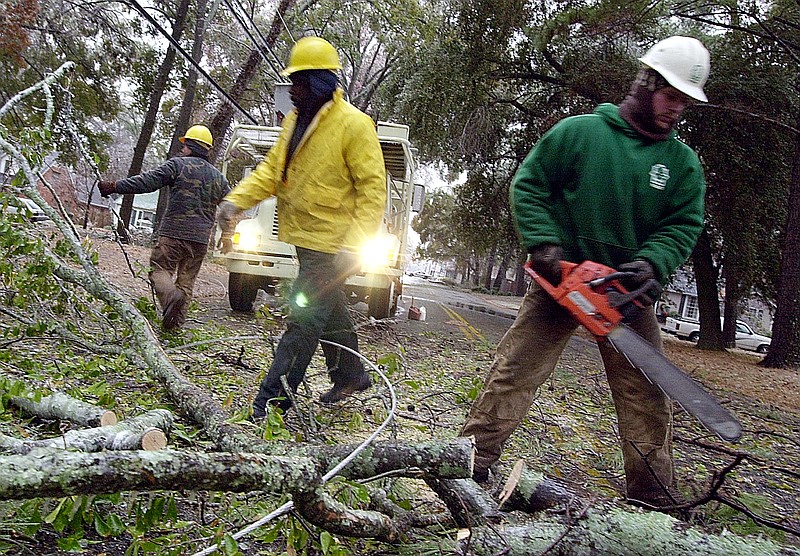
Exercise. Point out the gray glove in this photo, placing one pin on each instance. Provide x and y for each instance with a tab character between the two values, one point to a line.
642	271
546	261
227	217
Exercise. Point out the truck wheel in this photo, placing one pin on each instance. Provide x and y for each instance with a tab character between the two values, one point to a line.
382	302
694	336
763	348
242	290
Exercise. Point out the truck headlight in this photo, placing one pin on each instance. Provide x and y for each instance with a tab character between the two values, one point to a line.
245	241
379	252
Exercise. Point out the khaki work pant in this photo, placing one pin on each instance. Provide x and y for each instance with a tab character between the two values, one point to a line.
179	258
527	356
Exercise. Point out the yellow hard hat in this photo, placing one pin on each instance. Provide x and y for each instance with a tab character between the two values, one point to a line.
199	133
312	53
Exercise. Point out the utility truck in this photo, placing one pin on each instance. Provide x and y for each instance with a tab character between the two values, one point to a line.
259	261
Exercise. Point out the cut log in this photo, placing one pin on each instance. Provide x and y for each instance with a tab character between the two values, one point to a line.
608	530
153	439
447	459
61	406
469	504
534	492
57	473
143	431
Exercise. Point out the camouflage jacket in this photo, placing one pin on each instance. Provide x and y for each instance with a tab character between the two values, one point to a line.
195	189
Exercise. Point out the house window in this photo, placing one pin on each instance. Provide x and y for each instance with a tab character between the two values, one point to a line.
691	311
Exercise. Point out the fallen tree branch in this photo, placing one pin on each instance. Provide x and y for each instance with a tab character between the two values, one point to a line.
58	473
534	492
61	406
469	504
608	530
146	431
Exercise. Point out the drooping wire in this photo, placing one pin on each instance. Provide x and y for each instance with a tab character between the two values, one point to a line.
287	507
139	8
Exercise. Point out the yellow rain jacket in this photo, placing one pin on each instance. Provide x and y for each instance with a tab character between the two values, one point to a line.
333	193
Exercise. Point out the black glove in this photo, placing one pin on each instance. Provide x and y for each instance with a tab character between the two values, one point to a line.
546	261
643	278
106	187
641	271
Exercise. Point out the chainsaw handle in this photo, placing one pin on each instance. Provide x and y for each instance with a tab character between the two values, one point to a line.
566	268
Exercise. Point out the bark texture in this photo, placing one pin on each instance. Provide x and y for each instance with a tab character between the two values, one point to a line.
125	435
62	406
469	504
534	492
604	531
57	473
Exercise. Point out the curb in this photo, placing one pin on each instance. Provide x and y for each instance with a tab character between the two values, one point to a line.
483	309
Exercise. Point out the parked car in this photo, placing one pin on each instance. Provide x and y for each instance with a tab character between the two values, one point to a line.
745	337
37	214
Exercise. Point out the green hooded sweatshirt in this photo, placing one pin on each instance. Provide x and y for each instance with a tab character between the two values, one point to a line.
607	194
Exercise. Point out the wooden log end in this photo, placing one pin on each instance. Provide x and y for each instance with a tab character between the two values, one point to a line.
108	418
154	439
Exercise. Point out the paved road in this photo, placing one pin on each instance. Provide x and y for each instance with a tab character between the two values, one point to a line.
478	317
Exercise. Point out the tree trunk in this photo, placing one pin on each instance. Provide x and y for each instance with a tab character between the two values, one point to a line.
487	275
61	406
784	350
222	119
706	276
148	429
501	274
469	504
57	473
149	122
733	296
534	492
187	104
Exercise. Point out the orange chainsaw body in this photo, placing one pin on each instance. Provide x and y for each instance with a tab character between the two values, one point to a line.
588	304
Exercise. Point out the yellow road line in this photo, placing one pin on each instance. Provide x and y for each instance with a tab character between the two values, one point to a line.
469	331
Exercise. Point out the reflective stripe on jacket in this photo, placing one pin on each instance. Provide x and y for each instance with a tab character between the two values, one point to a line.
333	193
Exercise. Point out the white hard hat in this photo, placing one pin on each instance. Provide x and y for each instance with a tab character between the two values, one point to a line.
683	61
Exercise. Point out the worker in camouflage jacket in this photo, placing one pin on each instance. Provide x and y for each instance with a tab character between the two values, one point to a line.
195	190
616	187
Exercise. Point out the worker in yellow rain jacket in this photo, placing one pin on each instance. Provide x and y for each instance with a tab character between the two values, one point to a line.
328	174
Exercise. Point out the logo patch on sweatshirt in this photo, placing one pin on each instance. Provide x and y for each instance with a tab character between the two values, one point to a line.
659	175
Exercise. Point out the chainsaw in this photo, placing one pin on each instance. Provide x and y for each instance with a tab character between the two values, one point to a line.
593	294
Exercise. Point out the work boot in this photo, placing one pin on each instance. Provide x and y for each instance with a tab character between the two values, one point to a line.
344	389
172	310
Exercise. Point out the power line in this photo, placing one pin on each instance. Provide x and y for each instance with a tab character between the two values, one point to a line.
138	7
259	45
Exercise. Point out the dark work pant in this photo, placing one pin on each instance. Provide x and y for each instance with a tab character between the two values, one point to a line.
318	311
178	258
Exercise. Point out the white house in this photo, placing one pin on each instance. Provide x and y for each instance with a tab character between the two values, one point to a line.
680	300
143	214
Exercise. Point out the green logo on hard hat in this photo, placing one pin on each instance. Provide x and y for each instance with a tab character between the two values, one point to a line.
696	73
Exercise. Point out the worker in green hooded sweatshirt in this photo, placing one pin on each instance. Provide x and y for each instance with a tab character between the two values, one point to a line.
618	188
